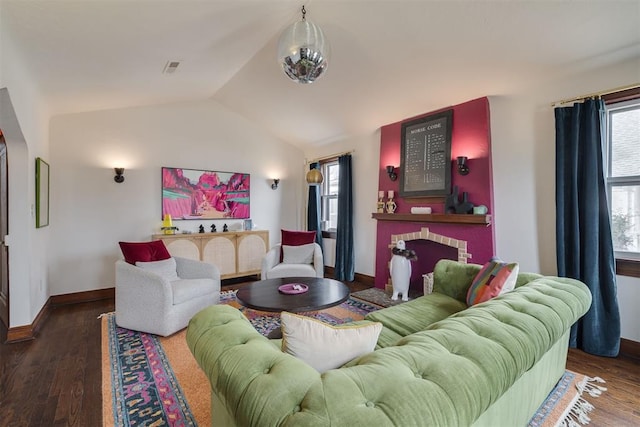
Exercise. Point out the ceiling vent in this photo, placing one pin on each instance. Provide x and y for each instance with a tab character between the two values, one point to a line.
170	67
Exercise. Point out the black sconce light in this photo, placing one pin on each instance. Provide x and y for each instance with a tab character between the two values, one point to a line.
119	178
274	186
391	171
463	169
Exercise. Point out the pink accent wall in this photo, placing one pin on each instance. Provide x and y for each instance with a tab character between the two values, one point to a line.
471	137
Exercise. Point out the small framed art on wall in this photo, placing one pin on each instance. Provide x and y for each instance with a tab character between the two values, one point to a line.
42	193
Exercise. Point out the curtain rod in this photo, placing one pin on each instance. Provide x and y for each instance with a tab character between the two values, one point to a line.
591	95
319	159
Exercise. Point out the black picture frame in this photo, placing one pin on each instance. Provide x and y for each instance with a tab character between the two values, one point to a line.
42	193
425	156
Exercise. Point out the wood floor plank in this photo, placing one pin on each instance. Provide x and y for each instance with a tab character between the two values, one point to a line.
618	406
56	378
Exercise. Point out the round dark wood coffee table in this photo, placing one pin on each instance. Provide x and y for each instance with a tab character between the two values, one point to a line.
264	295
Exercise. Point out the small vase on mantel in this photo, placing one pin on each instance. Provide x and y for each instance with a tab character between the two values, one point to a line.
391	205
465	207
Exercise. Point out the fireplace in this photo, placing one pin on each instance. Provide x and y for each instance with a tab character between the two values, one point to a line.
430	248
453	236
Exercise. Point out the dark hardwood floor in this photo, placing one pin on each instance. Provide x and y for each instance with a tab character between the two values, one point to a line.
620	405
55	380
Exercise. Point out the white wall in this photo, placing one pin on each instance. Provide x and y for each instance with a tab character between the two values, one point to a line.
90	213
364	164
24	119
523	146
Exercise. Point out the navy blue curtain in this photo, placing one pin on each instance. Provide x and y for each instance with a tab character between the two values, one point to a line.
345	259
313	209
583	229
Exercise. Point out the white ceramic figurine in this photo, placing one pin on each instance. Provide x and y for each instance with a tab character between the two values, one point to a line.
401	270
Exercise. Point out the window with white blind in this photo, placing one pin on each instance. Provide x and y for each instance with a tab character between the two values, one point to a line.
622	152
329	195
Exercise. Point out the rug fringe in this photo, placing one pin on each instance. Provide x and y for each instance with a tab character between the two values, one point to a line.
105	314
577	415
588	385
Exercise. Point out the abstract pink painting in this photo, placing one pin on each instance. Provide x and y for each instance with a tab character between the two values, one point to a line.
200	194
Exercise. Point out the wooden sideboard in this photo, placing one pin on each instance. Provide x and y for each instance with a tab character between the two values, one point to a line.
235	253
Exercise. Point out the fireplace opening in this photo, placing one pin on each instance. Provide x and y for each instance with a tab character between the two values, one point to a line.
429	253
429	248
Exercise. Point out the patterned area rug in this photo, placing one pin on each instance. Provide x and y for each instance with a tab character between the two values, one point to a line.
153	381
382	298
566	406
265	322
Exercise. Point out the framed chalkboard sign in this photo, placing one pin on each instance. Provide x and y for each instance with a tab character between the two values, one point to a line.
425	150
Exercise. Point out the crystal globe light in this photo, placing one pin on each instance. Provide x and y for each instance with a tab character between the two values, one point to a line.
303	51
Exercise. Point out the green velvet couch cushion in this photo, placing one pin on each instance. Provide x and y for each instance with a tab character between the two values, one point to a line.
413	316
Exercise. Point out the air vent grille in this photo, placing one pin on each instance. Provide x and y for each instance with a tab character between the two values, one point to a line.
171	67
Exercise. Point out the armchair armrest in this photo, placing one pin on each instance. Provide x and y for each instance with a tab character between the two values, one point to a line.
194	269
270	260
135	285
318	261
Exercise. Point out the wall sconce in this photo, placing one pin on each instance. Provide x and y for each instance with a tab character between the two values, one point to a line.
274	186
119	178
391	171
463	169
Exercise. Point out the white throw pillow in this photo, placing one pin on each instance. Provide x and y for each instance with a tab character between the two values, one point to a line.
302	254
165	268
510	283
324	346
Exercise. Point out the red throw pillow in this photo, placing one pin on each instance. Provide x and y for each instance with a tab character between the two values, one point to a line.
144	251
296	238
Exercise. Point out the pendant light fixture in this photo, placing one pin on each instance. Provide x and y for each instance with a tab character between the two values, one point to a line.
314	177
303	51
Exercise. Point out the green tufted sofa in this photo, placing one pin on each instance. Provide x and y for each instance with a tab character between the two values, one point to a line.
437	362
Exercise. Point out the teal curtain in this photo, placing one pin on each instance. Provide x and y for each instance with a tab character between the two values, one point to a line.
583	229
313	209
344	266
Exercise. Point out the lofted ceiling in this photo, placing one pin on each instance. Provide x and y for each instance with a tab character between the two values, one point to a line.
390	59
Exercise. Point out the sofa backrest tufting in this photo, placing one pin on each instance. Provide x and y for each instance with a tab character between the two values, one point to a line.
453	278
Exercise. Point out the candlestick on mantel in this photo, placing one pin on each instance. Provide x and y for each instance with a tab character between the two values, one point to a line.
391	205
380	205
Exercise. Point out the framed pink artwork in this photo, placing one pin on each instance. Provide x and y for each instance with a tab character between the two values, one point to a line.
203	194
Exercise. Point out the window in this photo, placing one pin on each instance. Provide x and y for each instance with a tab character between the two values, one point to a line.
329	196
623	178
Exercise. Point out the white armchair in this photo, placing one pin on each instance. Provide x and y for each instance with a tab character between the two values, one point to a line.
272	268
149	301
